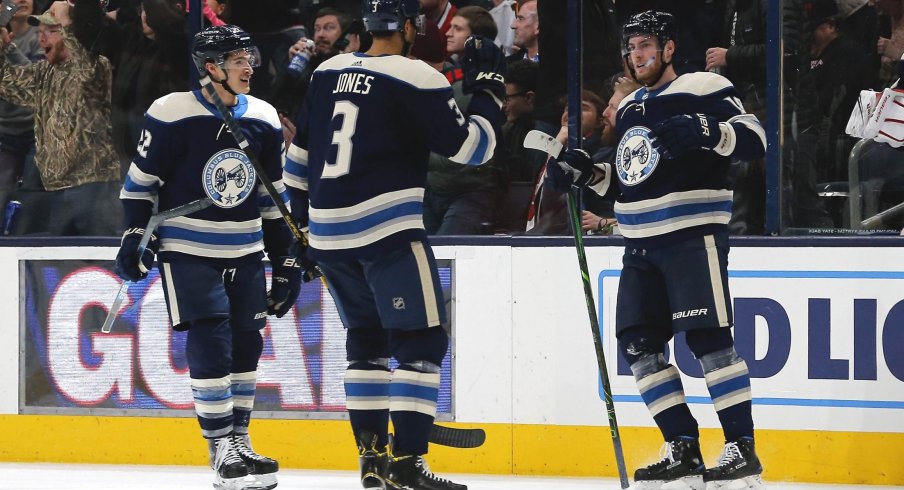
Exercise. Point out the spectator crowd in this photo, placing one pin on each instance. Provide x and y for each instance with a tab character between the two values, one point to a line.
77	76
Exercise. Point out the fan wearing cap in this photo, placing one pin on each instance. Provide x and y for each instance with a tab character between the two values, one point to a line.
74	158
836	69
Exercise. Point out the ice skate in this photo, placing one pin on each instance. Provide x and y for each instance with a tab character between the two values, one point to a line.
230	470
410	472
372	461
681	468
738	468
261	468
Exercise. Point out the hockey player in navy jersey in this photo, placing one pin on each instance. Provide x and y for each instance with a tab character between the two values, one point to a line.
356	173
211	261
676	137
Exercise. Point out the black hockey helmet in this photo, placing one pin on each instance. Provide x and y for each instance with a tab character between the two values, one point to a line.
215	44
651	22
384	16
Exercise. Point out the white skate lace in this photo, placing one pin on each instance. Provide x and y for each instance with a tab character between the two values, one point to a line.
226	453
243	447
429	474
730	452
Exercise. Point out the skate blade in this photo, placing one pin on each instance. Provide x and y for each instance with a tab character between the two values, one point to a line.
264	481
248	482
687	483
754	482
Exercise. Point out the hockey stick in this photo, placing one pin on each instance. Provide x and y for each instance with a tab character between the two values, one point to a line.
446	436
538	140
455	437
575	70
236	130
155	221
309	273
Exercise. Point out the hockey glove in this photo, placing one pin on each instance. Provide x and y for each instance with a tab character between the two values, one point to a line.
309	269
578	165
129	266
285	285
483	67
679	134
557	178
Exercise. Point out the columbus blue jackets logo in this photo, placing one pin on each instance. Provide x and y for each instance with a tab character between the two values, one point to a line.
635	158
229	178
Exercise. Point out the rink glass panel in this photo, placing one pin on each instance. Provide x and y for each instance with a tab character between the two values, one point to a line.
70	367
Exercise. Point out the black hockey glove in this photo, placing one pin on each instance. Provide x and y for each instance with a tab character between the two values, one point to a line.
285	285
128	265
483	67
679	134
578	165
309	269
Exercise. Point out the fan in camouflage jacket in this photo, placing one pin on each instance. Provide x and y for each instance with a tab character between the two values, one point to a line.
71	100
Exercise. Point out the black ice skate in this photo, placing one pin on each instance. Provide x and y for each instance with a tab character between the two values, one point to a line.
228	465
738	467
261	468
681	463
372	461
410	472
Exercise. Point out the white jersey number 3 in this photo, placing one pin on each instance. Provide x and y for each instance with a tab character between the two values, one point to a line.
343	140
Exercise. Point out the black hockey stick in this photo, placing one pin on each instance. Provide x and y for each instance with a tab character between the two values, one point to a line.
445	436
310	273
155	221
574	39
538	140
455	437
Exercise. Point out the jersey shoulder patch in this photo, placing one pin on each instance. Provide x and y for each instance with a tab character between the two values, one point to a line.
176	106
261	110
698	83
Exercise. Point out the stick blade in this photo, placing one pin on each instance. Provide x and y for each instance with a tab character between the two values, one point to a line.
538	140
455	437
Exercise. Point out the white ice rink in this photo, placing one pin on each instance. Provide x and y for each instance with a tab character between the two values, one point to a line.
34	476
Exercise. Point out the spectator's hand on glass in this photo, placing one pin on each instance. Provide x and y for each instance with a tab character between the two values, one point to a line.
594	223
5	37
288	129
715	58
298	47
890	48
60	11
882	44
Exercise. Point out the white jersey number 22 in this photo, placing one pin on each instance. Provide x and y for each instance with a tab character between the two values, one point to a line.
343	140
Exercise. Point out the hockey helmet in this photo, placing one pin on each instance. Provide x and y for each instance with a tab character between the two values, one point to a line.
651	22
384	16
215	44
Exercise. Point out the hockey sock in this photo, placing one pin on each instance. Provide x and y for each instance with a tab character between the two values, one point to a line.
367	398
412	404
728	381
243	388
208	350
661	389
247	346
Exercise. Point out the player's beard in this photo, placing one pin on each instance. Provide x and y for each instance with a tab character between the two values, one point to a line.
654	71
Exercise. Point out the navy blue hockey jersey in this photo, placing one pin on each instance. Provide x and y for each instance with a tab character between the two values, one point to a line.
360	154
185	153
665	200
